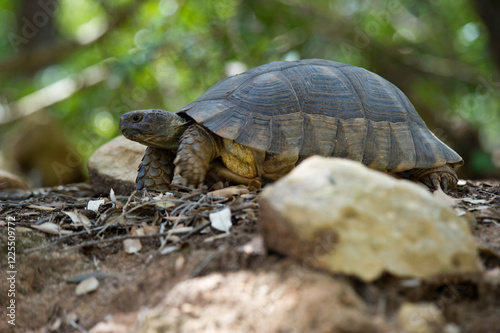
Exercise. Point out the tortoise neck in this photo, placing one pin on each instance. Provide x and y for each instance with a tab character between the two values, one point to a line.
173	133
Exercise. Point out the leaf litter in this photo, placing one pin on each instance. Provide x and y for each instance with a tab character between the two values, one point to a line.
178	225
172	217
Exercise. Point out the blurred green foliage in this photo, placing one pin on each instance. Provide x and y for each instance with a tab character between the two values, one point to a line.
164	54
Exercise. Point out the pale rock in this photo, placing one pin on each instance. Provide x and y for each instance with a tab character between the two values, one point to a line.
114	165
10	181
420	318
86	286
249	301
338	215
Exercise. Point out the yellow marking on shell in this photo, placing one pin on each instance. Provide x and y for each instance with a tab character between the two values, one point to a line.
239	159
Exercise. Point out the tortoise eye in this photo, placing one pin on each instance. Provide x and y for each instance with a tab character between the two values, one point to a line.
136	118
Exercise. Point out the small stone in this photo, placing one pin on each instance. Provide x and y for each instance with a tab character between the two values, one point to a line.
451	328
87	286
420	318
340	216
114	166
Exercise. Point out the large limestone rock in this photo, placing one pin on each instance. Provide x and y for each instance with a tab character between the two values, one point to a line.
249	301
339	215
114	165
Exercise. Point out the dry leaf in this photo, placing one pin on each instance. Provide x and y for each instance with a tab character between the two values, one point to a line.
219	236
181	230
112	197
164	204
95	204
175	218
491	183
149	229
52	228
41	207
79	219
228	192
473	201
169	249
221	220
173	238
87	286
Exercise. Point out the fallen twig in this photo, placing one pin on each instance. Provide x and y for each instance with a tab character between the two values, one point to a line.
121	238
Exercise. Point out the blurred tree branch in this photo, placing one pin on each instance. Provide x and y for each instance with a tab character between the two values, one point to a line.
29	61
54	93
489	11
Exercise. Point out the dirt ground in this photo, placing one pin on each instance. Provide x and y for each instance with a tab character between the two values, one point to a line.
68	249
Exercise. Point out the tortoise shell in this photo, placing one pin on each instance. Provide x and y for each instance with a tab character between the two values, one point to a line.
321	107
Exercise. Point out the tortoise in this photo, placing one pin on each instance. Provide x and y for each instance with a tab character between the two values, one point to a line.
261	123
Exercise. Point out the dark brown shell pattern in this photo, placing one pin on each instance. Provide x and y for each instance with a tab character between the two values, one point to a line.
321	107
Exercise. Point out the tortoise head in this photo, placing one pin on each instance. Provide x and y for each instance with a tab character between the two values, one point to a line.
153	128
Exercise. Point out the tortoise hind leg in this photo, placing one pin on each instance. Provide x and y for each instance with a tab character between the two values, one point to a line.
156	170
440	177
219	171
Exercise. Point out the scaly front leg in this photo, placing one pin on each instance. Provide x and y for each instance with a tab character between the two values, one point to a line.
156	170
197	148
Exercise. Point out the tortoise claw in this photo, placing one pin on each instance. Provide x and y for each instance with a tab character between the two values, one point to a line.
444	184
441	177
